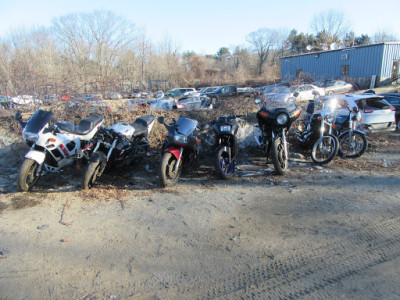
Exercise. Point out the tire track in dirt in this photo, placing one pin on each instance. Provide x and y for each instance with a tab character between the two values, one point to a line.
304	275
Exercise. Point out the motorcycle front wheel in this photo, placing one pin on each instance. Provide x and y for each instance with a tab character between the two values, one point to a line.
279	158
224	169
354	146
28	175
167	174
325	149
91	174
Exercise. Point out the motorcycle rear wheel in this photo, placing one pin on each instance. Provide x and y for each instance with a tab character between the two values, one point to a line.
325	149
91	174
224	169
28	175
167	174
354	147
279	158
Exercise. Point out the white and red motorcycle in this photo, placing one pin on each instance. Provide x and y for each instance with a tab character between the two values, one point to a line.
53	147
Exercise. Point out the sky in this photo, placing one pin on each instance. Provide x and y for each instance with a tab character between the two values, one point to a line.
206	26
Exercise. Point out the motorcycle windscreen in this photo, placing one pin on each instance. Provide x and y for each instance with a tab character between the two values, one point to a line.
38	120
185	126
272	104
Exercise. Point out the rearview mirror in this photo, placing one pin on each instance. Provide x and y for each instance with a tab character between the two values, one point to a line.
161	120
296	94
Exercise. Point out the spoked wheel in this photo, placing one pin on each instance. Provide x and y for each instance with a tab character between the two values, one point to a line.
28	175
325	149
168	175
353	146
278	156
224	169
91	174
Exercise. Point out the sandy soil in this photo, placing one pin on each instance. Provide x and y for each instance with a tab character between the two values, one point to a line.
317	232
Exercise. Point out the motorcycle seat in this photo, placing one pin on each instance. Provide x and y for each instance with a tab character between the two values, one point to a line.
141	124
65	126
86	125
139	129
145	120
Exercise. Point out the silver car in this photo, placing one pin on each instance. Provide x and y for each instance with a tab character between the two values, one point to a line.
377	114
337	87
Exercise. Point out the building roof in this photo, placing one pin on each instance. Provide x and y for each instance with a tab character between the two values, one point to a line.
343	49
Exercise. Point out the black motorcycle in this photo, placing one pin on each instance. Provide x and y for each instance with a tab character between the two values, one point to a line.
319	131
119	145
275	118
181	146
352	142
226	146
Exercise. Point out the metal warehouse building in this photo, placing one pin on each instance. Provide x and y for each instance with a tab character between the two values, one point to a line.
367	66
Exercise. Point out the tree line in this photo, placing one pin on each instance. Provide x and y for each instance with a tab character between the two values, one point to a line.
103	52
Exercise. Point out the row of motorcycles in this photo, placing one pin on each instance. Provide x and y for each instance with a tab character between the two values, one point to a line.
55	146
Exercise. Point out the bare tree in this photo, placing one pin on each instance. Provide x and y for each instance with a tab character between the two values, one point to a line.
263	41
92	42
385	35
332	23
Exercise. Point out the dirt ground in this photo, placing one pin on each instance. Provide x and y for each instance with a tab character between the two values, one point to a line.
317	232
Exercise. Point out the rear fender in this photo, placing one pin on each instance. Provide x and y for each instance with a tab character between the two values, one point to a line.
175	151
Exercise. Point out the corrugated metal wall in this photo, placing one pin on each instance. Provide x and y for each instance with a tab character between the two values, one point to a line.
363	62
391	53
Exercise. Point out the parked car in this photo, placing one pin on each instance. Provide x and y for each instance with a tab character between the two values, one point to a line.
377	113
146	94
164	104
113	96
301	92
26	100
134	103
209	89
194	103
180	92
90	106
136	94
337	87
394	100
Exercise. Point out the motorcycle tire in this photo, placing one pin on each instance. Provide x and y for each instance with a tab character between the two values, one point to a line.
28	175
167	175
224	169
354	148
279	158
91	174
325	149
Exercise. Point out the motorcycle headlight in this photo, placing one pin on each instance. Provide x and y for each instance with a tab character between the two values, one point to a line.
282	119
225	128
181	139
30	136
330	118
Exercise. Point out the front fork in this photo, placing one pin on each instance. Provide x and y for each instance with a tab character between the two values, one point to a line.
285	145
179	159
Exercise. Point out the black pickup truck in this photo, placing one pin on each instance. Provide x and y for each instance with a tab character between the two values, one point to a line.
230	91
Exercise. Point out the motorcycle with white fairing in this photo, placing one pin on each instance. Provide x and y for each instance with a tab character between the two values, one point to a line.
54	146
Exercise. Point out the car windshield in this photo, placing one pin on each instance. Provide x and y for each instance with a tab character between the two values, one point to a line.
329	83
